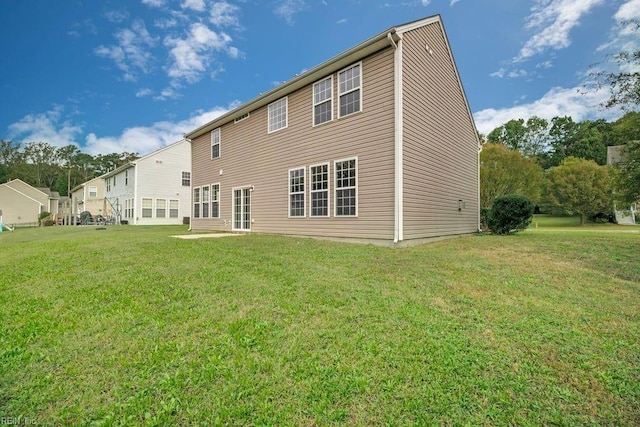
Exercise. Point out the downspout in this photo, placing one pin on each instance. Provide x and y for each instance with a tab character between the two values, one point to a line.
398	234
191	182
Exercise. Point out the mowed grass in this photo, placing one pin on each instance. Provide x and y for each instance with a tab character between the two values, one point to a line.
128	326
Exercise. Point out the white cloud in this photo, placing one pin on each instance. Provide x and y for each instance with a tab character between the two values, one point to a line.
146	139
47	127
556	102
192	56
513	74
197	5
453	2
286	9
153	3
425	2
341	21
629	10
165	23
143	92
553	20
132	54
224	14
117	16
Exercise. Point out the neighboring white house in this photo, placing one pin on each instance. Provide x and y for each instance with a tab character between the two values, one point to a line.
155	189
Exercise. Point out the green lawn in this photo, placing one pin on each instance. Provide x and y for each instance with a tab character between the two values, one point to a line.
127	326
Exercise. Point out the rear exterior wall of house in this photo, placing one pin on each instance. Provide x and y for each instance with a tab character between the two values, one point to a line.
261	162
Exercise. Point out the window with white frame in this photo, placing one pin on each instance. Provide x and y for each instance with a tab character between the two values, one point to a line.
93	191
322	101
196	202
161	208
131	208
349	90
108	184
147	208
128	208
319	176
215	200
278	114
205	201
126	177
346	189
186	179
215	143
173	208
296	193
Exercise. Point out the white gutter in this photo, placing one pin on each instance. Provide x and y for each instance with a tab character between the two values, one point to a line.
398	215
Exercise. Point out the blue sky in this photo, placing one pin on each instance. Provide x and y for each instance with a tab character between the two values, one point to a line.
116	75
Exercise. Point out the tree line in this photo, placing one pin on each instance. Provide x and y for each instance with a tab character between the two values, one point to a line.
40	164
561	164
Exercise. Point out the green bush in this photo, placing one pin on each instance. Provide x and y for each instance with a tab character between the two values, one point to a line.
485	213
510	214
43	215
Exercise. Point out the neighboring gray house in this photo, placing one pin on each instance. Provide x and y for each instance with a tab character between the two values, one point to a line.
21	204
154	189
375	143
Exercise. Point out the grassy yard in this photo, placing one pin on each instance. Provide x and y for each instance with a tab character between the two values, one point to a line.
128	326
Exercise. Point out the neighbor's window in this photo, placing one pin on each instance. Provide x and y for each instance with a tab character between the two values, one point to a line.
205	201
196	202
346	199
215	200
278	114
93	191
173	208
126	177
186	179
322	100
319	175
147	208
296	193
161	208
215	143
349	90
108	184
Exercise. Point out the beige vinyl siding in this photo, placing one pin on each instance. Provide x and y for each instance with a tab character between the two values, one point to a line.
251	156
18	208
440	145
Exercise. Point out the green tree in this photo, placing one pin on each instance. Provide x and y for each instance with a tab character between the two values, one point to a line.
504	171
580	186
531	138
627	181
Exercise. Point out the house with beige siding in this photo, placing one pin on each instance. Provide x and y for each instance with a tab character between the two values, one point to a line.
89	197
375	143
22	203
154	189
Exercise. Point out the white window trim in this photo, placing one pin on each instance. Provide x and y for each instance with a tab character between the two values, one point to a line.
204	201
352	90
233	209
336	188
219	143
314	104
95	191
286	115
165	208
183	178
328	190
193	202
304	193
142	208
177	209
219	201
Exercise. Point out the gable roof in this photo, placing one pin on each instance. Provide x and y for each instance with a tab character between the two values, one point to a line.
355	54
133	163
44	191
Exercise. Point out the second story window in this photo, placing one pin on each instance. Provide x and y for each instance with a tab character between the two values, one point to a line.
126	177
349	90
215	143
322	100
93	191
186	179
278	115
